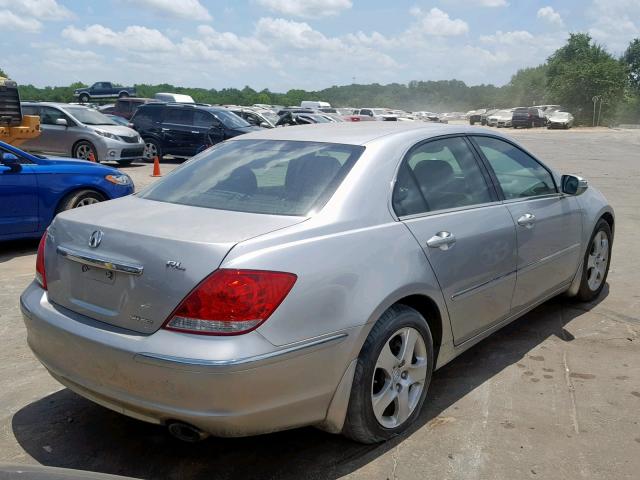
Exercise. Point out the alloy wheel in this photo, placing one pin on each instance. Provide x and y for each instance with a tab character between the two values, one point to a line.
597	260
399	377
150	151
83	152
86	201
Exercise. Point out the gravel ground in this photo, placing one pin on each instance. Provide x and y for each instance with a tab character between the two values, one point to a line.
555	394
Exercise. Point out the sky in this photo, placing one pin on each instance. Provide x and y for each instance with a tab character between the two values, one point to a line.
285	44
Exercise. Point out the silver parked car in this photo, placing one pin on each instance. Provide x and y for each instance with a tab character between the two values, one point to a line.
310	275
79	131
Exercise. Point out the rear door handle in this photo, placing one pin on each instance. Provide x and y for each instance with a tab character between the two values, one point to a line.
442	240
166	129
527	220
195	131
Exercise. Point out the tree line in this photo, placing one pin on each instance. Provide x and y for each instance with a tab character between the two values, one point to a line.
572	76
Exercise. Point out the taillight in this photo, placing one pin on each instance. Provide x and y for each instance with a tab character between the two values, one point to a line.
231	302
41	274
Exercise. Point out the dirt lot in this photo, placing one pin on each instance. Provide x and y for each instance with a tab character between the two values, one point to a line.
554	395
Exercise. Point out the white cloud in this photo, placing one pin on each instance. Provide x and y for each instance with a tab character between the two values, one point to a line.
134	38
550	15
38	9
615	23
481	3
438	23
189	9
508	38
307	8
11	21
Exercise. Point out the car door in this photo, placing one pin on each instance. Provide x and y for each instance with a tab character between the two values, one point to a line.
101	89
18	195
209	130
54	138
548	224
177	131
444	195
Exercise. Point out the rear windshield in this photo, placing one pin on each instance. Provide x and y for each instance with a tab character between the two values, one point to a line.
259	176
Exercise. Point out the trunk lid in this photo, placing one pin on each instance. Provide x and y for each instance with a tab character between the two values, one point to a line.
146	234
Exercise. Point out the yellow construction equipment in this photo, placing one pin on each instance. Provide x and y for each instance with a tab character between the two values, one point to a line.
15	128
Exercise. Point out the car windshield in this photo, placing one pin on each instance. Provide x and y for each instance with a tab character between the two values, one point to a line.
259	176
89	116
560	115
230	119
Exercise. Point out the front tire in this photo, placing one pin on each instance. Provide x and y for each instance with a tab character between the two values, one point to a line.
393	373
84	98
83	150
595	267
81	198
152	149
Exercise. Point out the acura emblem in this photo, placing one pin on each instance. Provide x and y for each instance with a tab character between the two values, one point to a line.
95	238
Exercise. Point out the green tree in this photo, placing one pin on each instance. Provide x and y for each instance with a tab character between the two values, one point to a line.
528	86
581	70
2	74
631	59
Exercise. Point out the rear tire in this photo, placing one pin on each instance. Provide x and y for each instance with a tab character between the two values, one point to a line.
81	198
595	266
393	371
123	95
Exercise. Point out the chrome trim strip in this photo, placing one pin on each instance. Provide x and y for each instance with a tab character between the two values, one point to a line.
100	262
475	287
163	360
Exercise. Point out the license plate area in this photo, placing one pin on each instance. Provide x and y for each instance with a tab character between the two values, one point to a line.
97	274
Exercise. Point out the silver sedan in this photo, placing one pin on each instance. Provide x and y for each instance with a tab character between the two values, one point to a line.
310	275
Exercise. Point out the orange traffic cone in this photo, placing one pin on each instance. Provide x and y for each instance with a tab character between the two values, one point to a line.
92	157
156	167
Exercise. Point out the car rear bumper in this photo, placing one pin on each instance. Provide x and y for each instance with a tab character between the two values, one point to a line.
224	393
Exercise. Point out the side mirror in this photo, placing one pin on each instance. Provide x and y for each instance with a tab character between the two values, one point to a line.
61	121
573	185
265	125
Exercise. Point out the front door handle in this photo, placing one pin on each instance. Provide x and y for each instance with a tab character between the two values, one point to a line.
165	129
442	240
527	220
195	131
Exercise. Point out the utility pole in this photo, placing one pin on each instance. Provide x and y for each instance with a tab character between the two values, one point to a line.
595	101
599	111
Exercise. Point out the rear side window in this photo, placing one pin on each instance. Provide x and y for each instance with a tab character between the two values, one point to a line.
438	175
519	174
145	117
260	176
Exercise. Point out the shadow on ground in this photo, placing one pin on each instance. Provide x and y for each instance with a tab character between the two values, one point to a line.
65	430
17	248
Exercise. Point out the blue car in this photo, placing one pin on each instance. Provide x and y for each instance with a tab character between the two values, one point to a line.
33	189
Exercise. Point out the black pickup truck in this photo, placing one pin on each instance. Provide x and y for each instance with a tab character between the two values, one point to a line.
103	90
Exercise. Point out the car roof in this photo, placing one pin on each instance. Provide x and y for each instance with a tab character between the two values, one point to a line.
356	133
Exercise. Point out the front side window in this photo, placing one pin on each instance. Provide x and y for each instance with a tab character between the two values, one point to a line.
203	119
438	175
519	174
259	176
49	115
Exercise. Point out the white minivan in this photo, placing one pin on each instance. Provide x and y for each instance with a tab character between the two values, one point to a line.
173	97
314	105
